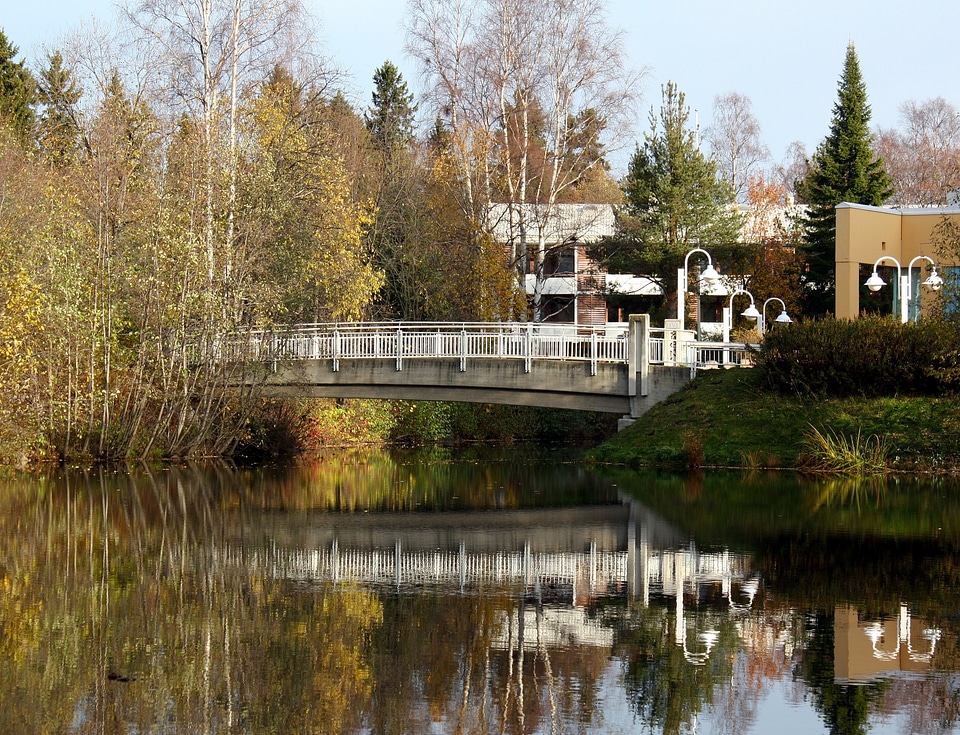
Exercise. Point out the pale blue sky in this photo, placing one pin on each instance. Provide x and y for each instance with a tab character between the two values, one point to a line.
785	56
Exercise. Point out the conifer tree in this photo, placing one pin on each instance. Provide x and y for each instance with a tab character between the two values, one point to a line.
58	128
843	169
17	90
390	118
674	201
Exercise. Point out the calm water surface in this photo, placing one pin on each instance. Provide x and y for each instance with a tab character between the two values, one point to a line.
470	591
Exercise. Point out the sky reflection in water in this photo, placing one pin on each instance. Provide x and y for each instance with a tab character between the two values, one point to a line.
480	592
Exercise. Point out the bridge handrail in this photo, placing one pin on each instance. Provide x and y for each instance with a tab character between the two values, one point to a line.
528	341
708	355
461	340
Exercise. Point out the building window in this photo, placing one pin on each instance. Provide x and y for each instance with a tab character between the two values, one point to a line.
558	309
559	262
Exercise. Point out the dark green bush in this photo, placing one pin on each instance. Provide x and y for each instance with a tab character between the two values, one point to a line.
868	357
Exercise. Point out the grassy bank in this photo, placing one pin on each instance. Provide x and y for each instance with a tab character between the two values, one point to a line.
730	418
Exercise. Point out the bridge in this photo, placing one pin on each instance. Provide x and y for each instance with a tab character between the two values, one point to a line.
612	368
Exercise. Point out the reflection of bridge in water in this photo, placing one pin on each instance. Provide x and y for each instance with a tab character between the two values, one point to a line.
563	557
567	554
556	555
559	559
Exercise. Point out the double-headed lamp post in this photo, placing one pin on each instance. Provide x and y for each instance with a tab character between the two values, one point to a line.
708	276
875	282
784	318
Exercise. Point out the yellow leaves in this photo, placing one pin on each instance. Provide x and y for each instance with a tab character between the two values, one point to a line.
21	321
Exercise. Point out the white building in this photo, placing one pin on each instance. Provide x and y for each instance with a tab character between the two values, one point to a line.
573	287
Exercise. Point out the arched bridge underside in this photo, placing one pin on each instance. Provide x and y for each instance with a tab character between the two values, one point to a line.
610	369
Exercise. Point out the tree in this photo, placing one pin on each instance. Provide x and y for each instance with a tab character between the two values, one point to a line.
17	90
775	267
792	170
300	256
844	169
210	49
390	118
674	201
734	140
58	128
923	155
523	86
396	184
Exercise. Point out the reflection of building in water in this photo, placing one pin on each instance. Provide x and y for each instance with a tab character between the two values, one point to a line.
550	627
866	649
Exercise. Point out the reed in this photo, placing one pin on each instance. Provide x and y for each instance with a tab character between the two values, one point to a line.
853	455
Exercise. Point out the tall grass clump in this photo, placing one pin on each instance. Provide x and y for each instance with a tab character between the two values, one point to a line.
837	454
870	357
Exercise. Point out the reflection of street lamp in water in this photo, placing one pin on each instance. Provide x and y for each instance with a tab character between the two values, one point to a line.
707	638
874	631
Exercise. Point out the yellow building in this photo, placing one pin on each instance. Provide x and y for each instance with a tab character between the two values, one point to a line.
865	234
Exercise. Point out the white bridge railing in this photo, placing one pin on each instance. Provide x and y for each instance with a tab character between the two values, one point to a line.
462	341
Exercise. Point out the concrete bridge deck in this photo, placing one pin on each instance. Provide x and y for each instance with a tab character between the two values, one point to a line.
621	369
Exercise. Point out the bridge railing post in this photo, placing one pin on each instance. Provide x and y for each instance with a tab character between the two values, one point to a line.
593	352
638	355
528	349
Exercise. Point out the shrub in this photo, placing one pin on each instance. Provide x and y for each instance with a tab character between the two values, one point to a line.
869	357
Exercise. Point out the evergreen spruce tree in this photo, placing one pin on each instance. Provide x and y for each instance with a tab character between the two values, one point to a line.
17	90
674	202
843	169
58	130
389	122
390	118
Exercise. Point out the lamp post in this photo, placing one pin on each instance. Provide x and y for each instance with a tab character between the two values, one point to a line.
875	282
709	276
933	281
750	313
784	318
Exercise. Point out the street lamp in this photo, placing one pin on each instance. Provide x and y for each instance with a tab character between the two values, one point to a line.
934	281
708	276
875	282
784	318
750	313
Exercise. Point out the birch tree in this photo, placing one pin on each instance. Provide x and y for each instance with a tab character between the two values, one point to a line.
208	49
518	84
922	156
734	139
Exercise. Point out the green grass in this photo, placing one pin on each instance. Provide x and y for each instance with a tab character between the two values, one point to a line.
729	418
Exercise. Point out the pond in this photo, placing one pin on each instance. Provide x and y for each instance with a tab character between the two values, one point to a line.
476	591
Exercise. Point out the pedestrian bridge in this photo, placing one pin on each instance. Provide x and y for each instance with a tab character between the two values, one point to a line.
612	368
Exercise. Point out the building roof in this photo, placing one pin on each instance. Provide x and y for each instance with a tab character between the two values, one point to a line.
559	223
918	210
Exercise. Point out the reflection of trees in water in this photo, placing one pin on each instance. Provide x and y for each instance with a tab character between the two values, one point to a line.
128	619
666	691
846	708
439	650
436	478
123	608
